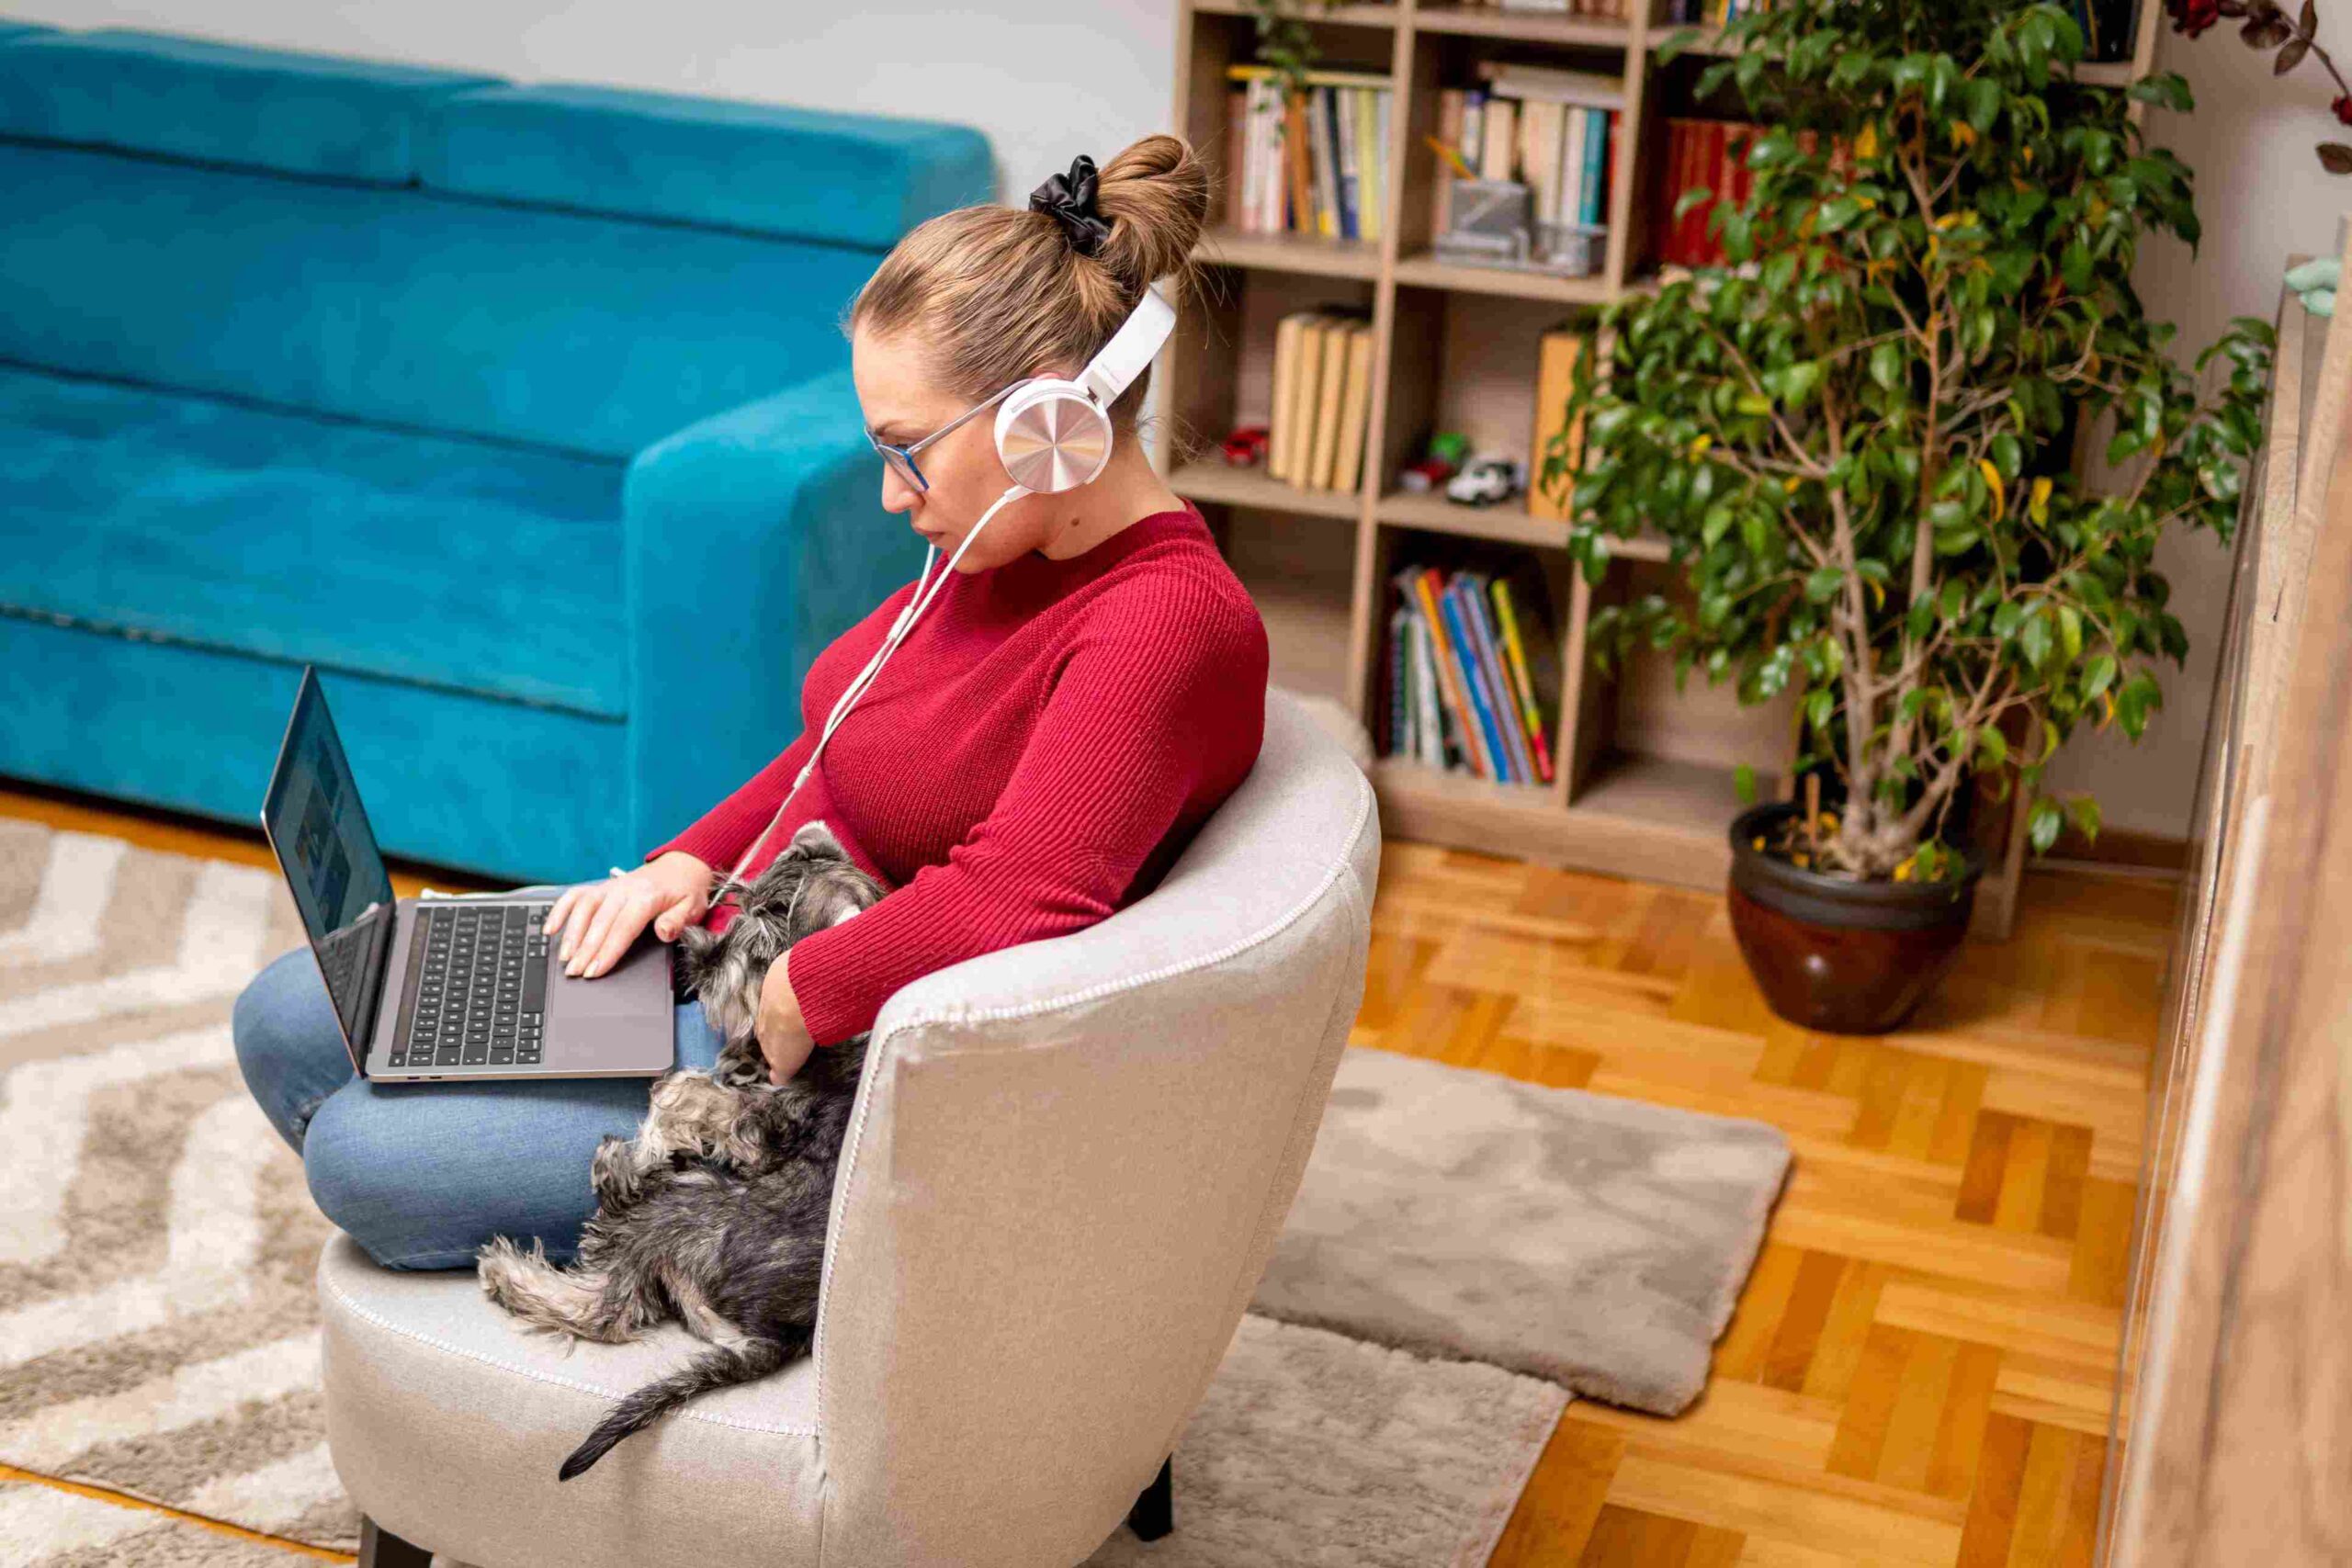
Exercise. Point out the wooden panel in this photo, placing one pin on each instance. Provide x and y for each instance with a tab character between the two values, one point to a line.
2240	1389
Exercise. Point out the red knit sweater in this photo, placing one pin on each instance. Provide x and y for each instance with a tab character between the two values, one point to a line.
1039	749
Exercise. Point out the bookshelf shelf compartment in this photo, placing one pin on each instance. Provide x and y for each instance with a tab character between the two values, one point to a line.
1508	521
1308	254
1251	489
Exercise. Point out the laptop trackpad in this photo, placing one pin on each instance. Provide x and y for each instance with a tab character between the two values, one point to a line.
634	987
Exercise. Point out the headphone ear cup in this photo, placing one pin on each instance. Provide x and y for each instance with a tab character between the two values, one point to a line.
1052	437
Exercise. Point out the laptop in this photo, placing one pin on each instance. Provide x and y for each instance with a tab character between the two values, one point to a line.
445	990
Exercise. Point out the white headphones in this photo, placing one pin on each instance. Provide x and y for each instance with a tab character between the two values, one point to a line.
1052	435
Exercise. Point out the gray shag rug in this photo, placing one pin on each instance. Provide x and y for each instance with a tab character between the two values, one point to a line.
1597	1242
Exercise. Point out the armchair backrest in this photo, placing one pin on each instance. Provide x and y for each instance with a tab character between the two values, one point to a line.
1067	1171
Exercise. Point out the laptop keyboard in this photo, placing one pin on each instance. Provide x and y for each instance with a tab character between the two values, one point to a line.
477	987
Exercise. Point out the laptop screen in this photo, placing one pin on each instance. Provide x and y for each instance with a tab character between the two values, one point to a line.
320	834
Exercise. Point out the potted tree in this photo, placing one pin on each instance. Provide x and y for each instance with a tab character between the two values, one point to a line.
1856	439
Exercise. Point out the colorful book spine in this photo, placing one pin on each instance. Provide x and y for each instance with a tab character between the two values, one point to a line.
1457	699
1470	590
1522	684
1459	635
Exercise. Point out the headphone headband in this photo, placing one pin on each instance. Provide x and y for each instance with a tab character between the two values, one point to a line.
1131	348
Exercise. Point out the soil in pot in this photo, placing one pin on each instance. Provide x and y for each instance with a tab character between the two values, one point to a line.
1843	957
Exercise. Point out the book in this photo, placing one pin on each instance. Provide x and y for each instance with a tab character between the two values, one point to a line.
1305	393
1395	695
1279	429
1570	207
1341	137
1498	140
1539	156
1297	170
1323	163
1425	698
1331	391
1469	593
1601	128
1555	365
1424	587
1355	411
1523	678
1464	648
1529	83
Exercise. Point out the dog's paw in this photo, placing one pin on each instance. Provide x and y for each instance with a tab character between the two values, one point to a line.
614	1174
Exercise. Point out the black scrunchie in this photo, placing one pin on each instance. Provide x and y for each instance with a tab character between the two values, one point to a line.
1069	199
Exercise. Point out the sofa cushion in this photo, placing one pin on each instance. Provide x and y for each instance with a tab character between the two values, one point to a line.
406	307
840	178
225	102
457	564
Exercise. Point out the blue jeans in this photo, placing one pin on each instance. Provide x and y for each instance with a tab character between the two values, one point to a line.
421	1175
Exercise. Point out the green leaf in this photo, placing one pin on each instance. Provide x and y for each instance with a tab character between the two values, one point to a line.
2084	810
1992	747
1820	585
2033	640
2043	825
1886	365
2097	675
1820	706
2069	630
1743	779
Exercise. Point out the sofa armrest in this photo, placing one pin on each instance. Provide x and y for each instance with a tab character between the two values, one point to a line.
1066	1172
752	539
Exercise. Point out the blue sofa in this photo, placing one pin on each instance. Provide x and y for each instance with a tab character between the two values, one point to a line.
522	411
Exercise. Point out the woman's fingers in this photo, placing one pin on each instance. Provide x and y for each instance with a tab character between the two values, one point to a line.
619	924
564	901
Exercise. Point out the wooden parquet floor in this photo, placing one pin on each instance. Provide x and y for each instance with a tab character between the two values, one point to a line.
1920	1369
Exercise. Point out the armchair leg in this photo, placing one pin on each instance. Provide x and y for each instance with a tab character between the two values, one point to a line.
1154	1514
379	1548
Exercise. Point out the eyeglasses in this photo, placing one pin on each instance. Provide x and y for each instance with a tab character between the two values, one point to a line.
900	460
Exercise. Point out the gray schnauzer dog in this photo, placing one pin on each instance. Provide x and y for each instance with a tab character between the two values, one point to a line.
715	1211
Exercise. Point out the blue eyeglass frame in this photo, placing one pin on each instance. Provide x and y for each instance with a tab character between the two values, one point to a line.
900	460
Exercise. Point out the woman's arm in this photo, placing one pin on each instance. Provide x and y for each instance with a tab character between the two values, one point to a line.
1151	716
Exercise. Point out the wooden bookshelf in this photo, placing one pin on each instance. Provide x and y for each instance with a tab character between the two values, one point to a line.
1644	781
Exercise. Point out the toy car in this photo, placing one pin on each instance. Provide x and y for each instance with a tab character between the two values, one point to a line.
1485	481
1246	447
1428	474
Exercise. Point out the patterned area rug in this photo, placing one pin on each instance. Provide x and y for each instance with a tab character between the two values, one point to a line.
158	1322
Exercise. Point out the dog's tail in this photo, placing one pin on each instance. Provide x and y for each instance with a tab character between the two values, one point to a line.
713	1370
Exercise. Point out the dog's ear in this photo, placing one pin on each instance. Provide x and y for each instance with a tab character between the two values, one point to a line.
815	838
696	944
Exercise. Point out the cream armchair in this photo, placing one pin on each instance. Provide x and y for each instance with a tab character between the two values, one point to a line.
1065	1174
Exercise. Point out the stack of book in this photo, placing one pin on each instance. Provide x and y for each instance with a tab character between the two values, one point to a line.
1711	13
1710	152
1316	165
1322	399
1552	129
1465	663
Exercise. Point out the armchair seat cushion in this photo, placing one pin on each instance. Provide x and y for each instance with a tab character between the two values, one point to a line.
476	566
448	1419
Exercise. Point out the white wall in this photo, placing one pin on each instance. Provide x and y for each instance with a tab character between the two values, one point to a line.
1048	80
2261	196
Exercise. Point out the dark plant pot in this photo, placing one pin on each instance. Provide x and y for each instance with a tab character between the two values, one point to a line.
1845	957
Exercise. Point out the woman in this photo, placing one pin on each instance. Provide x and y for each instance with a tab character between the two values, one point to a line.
1086	687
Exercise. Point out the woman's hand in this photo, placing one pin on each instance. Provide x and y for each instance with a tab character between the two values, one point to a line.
604	918
783	1037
